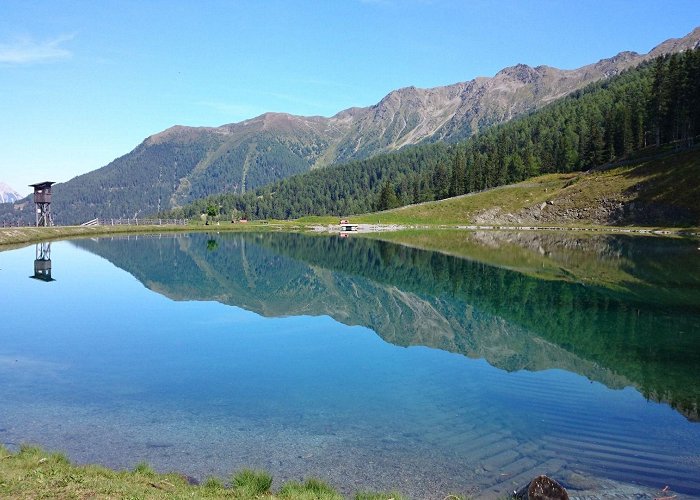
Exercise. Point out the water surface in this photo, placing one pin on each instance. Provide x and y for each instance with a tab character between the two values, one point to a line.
371	365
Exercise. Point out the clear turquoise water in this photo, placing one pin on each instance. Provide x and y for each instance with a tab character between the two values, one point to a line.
208	357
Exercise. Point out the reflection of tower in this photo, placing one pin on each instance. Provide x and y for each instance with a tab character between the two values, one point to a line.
42	262
42	199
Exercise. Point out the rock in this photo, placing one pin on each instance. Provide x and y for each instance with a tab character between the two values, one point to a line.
190	480
542	488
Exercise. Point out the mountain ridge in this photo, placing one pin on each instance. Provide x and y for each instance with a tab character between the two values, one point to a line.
181	164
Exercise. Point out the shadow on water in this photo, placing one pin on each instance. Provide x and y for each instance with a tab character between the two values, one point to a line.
624	330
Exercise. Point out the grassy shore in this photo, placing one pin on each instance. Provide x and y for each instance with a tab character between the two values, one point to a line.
13	236
35	473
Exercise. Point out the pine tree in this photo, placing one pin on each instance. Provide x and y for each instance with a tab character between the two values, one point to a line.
459	172
441	181
387	197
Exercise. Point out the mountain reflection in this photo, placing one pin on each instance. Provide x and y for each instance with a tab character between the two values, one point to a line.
615	335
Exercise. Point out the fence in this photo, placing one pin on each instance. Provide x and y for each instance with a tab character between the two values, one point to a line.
17	224
135	222
108	222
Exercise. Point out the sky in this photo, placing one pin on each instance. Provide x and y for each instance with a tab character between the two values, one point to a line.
83	82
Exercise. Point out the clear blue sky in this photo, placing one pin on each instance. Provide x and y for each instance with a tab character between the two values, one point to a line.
84	82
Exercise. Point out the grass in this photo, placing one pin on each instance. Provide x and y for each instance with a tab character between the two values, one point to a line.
252	482
389	496
34	473
16	236
464	209
311	489
671	181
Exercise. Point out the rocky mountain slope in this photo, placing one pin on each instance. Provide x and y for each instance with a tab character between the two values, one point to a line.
181	163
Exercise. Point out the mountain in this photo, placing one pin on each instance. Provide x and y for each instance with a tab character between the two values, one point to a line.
648	112
7	194
182	163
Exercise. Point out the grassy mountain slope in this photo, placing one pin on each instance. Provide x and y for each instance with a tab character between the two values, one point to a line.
654	191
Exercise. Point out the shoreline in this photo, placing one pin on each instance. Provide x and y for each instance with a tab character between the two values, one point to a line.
32	471
381	228
14	236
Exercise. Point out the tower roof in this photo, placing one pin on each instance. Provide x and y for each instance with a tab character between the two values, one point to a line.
42	184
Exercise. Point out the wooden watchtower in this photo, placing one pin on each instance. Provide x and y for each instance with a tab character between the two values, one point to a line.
42	199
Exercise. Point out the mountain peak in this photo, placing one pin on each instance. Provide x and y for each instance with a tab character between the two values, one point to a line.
690	41
521	72
7	194
182	134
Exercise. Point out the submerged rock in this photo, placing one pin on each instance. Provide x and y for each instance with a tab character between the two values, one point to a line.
542	488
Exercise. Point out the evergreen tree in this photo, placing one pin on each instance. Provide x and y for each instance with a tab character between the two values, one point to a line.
387	198
459	172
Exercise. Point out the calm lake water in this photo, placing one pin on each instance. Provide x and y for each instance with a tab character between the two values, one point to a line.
367	364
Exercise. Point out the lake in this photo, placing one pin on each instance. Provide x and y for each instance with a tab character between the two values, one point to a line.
370	365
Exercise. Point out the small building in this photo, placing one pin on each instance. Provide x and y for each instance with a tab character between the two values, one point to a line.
42	200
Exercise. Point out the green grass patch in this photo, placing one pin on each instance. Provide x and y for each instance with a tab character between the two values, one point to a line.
12	237
32	472
667	184
252	482
144	469
213	484
311	489
464	209
379	496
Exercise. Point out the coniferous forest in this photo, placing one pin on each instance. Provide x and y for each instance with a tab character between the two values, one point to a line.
655	104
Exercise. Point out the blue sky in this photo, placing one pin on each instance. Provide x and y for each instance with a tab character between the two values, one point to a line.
84	82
